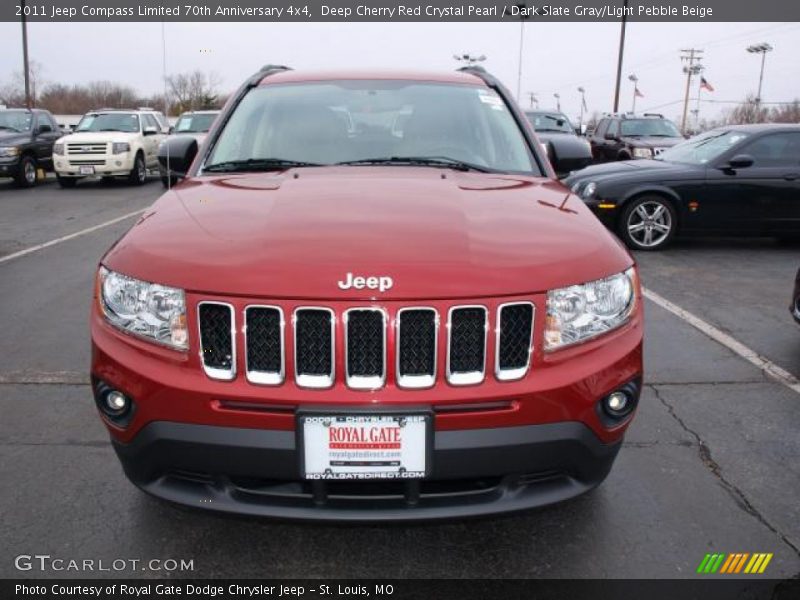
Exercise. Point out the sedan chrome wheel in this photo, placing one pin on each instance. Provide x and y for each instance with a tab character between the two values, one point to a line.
649	224
30	172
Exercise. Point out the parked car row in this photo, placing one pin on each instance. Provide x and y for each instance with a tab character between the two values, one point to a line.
108	142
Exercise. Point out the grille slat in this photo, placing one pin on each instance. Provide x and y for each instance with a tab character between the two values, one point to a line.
264	345
314	347
365	340
514	339
217	339
416	347
466	356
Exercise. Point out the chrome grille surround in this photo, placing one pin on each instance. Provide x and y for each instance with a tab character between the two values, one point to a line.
516	373
315	381
265	377
211	371
416	382
465	377
364	382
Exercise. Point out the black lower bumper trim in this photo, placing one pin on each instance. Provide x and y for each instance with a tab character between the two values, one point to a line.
475	472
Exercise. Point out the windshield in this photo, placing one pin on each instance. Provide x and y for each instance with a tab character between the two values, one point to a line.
703	148
126	122
195	123
549	121
345	121
15	120
649	127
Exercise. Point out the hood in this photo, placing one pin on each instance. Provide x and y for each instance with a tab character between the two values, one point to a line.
653	142
12	138
437	233
626	169
97	137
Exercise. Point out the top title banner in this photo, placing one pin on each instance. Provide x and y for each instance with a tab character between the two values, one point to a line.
396	10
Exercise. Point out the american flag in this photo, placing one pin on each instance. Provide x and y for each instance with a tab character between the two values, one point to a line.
704	85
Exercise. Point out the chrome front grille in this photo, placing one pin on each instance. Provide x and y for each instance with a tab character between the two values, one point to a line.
365	335
91	161
78	148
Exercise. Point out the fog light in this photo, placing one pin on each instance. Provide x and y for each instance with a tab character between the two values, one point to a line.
116	401
617	402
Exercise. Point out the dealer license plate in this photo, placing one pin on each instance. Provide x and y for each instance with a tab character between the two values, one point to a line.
87	170
359	447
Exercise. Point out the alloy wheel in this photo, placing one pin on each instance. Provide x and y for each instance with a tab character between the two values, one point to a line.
649	224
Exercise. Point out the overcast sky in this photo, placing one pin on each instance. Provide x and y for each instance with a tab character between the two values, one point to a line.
558	57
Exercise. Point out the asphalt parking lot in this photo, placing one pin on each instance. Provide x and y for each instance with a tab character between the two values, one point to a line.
712	463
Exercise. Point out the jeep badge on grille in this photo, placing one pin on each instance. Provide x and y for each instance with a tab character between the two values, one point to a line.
381	284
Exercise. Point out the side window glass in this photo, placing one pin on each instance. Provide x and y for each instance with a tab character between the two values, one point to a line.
777	150
613	128
601	128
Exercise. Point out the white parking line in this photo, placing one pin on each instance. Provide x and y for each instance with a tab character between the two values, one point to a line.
69	237
765	365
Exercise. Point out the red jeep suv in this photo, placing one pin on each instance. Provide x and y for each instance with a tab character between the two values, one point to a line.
367	299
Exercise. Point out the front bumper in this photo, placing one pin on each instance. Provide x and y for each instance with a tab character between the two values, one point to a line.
9	166
114	165
475	472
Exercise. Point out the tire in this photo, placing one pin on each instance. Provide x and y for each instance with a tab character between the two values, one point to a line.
648	223
138	174
67	182
26	176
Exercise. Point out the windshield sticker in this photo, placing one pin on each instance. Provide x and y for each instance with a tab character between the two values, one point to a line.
494	101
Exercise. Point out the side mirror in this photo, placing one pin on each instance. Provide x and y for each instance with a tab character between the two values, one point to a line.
171	130
610	136
176	154
741	161
150	130
44	128
578	131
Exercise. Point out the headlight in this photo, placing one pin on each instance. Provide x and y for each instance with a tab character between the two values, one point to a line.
589	190
58	149
642	153
581	312
120	147
9	151
156	312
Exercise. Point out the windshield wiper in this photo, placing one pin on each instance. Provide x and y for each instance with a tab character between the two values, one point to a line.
11	128
257	164
426	161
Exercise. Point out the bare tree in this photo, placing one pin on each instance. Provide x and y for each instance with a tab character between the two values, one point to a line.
193	91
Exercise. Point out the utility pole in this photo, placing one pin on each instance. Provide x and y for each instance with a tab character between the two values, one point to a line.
621	53
632	77
26	67
582	92
689	56
533	99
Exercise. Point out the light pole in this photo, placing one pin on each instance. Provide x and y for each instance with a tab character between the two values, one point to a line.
761	49
557	96
534	100
25	66
469	59
523	14
632	77
582	92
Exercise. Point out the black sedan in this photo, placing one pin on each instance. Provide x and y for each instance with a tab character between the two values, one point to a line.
795	307
565	149
735	180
